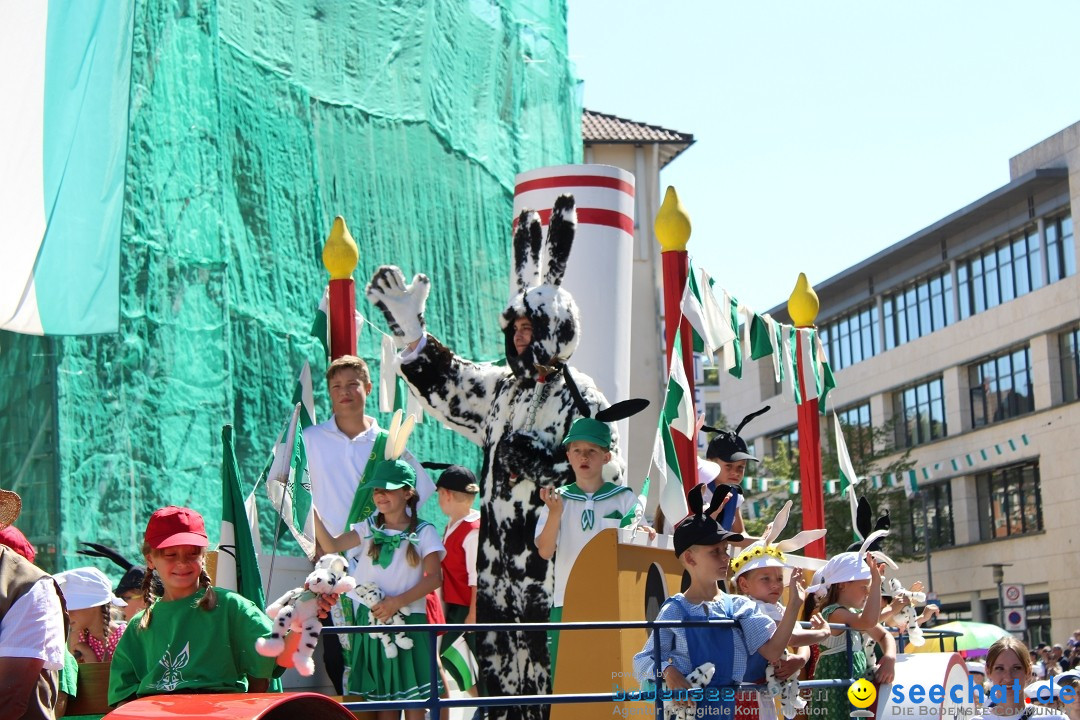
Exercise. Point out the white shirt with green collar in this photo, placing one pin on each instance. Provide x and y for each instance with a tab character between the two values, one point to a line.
583	516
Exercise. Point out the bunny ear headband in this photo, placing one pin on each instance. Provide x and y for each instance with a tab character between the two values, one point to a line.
394	473
849	566
699	527
596	430
861	515
766	552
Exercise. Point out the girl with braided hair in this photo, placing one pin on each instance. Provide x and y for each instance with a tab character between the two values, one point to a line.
90	599
195	637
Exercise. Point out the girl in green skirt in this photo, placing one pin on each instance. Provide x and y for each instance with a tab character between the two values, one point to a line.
402	555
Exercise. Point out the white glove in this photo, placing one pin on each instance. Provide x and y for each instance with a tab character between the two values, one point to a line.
401	304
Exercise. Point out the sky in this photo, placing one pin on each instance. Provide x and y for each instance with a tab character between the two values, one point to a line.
827	131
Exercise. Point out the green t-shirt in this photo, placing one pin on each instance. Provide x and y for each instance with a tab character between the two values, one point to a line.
188	649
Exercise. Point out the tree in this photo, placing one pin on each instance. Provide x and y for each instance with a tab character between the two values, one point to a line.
873	452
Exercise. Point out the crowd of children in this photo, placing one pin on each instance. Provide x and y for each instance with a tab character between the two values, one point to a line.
162	628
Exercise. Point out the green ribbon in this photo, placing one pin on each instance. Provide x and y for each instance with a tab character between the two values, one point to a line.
388	543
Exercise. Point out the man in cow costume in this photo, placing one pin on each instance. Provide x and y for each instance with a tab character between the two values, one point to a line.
518	413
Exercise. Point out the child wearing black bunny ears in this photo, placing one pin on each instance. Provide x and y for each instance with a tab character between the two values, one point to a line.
701	545
728	453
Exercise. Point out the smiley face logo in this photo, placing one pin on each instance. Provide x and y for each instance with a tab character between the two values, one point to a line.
862	694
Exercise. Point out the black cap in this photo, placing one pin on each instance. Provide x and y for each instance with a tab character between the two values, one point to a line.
461	479
729	447
699	528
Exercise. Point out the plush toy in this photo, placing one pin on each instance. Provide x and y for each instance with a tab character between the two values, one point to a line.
907	616
699	677
298	610
787	690
518	413
370	595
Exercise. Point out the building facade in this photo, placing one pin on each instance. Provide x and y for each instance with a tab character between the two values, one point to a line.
965	336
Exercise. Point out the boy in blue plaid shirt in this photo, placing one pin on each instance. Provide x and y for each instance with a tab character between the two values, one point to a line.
702	547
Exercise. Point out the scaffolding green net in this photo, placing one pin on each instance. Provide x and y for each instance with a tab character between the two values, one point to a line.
252	124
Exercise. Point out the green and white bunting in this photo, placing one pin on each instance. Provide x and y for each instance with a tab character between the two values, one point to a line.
721	323
908	480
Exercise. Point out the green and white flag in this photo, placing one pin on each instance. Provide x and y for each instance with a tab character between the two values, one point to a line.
848	478
665	464
288	484
67	94
911	484
711	329
677	414
461	664
679	401
394	392
238	562
320	326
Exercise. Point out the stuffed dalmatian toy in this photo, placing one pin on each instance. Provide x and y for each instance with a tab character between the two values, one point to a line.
699	677
907	615
518	413
298	610
370	595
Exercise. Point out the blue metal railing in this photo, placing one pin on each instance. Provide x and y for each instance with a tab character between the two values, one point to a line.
434	703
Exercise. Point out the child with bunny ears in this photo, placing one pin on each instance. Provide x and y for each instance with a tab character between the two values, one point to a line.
758	573
847	591
701	545
402	555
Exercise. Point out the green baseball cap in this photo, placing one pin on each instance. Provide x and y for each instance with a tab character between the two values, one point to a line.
589	430
393	475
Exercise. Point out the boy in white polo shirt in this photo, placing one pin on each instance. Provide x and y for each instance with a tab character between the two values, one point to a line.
338	453
573	514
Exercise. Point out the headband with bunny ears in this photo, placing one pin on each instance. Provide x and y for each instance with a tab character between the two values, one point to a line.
394	473
861	515
699	527
849	566
766	552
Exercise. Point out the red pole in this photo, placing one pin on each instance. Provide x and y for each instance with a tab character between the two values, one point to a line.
342	318
340	255
810	479
675	266
672	226
803	308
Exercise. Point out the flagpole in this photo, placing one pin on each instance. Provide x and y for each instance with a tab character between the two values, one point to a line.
339	257
672	227
803	309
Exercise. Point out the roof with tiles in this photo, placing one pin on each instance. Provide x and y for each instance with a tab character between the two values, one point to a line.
601	129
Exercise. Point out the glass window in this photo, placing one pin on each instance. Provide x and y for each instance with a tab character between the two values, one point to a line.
1068	343
1059	248
1020	266
964	290
1009	501
858	431
1001	387
920	413
786	443
1014	268
919	309
934	522
852	338
1035	260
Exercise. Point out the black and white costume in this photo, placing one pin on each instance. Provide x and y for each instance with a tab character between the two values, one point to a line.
518	413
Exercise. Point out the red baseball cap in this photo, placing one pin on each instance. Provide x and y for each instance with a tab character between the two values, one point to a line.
171	526
15	540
